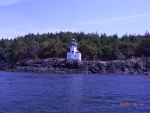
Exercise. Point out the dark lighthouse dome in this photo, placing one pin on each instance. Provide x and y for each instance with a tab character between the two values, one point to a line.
73	42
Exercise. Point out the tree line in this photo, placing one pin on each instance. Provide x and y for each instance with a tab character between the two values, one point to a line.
93	46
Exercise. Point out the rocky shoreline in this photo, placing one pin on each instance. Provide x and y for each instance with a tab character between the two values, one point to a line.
54	65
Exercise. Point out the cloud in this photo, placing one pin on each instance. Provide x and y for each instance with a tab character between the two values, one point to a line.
9	2
53	30
107	21
15	32
58	30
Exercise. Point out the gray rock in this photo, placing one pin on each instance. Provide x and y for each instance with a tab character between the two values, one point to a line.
54	65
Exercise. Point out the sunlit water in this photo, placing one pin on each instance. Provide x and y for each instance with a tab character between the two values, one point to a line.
73	93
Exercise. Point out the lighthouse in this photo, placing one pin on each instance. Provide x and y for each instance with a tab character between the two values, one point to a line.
73	54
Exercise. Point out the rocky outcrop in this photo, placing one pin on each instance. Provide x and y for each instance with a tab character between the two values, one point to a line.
138	66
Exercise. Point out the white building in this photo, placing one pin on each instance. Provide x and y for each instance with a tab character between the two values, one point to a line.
73	54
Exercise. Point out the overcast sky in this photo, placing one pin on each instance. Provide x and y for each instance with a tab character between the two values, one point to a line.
20	17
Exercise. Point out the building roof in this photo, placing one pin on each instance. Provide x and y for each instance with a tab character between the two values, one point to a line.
78	51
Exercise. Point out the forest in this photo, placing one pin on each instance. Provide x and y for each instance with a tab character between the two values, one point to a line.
93	46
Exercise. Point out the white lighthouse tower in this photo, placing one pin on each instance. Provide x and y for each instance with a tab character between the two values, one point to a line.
73	54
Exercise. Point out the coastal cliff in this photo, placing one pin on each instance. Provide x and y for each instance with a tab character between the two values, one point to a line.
138	66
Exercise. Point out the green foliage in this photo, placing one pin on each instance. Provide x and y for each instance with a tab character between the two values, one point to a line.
91	45
145	46
1	52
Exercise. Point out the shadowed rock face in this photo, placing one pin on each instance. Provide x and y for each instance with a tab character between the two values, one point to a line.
72	66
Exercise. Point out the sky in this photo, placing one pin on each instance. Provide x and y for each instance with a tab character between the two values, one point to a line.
21	17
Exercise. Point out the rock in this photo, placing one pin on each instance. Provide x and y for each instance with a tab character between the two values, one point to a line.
55	65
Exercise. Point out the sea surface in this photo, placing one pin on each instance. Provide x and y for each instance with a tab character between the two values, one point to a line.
73	93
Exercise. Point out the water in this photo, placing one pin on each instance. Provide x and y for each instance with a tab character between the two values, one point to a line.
73	93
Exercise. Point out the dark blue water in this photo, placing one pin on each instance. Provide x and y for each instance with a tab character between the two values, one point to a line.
73	93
